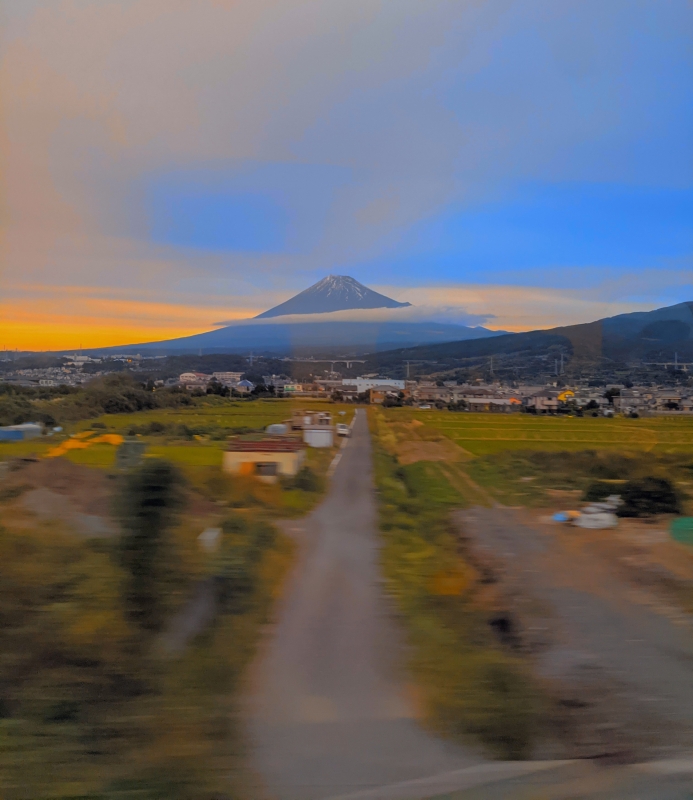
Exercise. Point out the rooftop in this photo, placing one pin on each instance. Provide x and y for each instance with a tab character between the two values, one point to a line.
265	446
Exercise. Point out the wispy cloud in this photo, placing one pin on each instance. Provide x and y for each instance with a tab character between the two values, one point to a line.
335	137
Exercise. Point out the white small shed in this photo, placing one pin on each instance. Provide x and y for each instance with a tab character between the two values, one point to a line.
319	436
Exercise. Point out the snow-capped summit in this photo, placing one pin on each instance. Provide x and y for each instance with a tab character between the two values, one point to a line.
333	293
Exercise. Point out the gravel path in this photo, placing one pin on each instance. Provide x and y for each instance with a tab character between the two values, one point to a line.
624	672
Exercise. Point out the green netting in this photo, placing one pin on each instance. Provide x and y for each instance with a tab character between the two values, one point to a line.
682	530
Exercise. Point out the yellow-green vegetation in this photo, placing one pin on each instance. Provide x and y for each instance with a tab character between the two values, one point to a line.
482	434
471	685
206	415
91	703
193	436
521	459
540	478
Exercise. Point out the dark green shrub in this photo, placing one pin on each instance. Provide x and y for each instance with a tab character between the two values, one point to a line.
306	480
597	491
149	499
648	496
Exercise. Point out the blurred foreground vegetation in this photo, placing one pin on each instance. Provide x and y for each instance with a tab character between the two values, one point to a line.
104	691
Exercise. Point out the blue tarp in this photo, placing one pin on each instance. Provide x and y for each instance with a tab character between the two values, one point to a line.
11	436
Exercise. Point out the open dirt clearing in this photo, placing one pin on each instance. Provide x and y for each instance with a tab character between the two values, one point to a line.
618	662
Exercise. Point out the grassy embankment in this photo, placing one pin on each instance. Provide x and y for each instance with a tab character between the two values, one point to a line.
471	686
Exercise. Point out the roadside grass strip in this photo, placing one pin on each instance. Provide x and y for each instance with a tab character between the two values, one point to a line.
470	685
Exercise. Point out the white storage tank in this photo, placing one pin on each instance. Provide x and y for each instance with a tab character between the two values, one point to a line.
318	436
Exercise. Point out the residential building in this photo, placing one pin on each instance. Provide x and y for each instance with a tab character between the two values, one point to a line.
501	405
544	401
378	394
349	391
266	460
306	419
228	378
194	380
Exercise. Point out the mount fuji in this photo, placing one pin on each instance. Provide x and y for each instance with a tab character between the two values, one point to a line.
333	293
302	334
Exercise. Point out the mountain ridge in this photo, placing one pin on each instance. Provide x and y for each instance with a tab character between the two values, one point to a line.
655	336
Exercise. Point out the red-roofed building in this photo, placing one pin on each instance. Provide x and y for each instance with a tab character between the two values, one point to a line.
266	459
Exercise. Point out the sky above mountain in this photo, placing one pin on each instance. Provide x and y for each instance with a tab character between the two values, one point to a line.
169	164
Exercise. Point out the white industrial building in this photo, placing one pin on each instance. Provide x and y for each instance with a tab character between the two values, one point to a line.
364	384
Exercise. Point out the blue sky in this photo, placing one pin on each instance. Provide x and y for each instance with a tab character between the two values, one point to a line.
522	161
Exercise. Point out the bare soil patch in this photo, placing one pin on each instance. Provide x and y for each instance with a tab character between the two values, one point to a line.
619	669
88	490
409	452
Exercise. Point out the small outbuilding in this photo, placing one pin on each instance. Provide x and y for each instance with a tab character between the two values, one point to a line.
266	459
18	433
318	435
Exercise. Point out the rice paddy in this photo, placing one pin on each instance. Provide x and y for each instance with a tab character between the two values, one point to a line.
485	434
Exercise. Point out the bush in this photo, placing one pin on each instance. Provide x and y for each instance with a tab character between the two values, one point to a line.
147	506
306	480
648	496
597	491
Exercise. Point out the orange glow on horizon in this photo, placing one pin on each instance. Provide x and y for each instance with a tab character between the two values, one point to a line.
87	323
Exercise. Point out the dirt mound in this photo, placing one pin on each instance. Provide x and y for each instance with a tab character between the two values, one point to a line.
89	490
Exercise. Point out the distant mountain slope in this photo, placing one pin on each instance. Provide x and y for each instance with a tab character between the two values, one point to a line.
644	335
334	293
317	337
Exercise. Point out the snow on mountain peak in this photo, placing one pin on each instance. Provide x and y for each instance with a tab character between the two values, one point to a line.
333	293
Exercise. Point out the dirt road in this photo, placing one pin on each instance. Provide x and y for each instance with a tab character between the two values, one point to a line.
330	711
624	668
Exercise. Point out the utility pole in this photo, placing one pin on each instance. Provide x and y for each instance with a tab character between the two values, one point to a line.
556	366
561	363
407	363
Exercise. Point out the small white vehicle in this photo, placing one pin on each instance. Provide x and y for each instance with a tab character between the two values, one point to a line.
425	408
343	430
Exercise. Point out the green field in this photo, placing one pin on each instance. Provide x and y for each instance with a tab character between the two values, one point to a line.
484	434
208	413
217	419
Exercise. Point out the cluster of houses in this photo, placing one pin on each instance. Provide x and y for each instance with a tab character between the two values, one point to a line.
538	399
472	397
201	380
646	400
